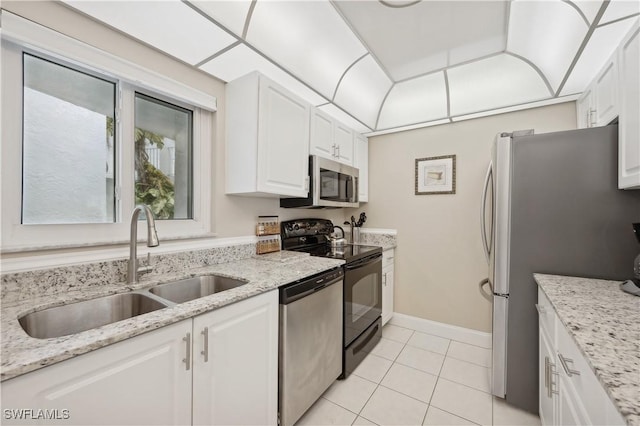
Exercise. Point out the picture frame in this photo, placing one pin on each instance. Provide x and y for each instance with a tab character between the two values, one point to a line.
435	175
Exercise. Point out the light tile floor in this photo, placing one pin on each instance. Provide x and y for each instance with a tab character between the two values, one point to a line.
413	378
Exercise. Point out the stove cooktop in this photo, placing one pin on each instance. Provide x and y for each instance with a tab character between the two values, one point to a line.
349	252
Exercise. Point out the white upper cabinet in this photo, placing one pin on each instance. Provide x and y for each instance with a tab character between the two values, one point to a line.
361	161
629	128
330	138
267	145
615	92
606	94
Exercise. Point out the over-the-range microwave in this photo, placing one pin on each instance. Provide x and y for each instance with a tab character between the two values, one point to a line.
331	184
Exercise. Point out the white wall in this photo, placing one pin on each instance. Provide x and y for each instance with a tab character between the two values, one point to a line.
439	259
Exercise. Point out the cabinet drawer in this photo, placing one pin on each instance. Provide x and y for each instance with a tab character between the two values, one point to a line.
582	381
546	315
388	257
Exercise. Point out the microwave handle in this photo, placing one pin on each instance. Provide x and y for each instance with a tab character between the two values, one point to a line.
356	195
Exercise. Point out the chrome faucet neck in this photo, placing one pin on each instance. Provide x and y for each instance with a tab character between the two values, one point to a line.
152	241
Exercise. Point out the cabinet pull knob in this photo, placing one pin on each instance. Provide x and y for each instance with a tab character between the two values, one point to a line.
565	365
205	352
546	376
187	360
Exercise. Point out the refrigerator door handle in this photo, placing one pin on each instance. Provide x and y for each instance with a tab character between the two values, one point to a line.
482	284
486	243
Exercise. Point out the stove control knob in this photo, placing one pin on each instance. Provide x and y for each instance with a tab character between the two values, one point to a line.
296	227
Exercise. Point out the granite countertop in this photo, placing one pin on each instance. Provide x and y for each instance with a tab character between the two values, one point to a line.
385	238
21	353
605	324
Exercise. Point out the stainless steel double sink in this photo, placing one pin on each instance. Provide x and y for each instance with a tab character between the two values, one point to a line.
81	316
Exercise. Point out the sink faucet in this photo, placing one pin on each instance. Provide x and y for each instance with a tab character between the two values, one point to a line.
152	241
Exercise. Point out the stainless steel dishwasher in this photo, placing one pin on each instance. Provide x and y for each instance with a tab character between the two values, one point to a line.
310	342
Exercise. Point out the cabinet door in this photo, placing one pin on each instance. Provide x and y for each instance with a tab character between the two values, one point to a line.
629	127
361	161
547	380
321	138
343	138
387	294
387	284
569	410
142	380
606	96
235	379
584	109
283	142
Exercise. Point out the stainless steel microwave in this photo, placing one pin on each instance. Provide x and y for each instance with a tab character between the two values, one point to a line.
331	184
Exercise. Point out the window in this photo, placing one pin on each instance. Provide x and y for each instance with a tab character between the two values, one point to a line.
86	136
162	157
68	145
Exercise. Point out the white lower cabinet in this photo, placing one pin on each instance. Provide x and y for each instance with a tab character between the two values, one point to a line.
570	393
141	381
176	375
387	284
235	366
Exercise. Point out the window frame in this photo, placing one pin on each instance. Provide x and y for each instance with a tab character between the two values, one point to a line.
20	35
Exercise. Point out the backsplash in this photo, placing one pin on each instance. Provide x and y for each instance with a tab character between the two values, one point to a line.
48	282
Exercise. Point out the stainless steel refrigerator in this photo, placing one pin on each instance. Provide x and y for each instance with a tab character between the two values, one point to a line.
550	205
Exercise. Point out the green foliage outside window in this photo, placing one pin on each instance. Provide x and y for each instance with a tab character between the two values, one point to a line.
152	187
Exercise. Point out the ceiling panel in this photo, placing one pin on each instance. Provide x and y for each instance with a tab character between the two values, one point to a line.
619	9
231	14
242	60
429	35
362	90
602	44
415	101
170	26
548	34
496	82
308	38
589	8
344	118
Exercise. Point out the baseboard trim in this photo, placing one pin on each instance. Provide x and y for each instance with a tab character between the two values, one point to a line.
453	332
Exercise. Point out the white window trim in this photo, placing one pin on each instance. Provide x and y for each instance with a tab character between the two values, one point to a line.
17	34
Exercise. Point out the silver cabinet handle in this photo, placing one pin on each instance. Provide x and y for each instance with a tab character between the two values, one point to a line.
338	146
541	309
546	375
565	365
187	360
205	352
592	122
333	150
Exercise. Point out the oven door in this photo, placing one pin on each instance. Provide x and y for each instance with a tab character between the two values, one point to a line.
362	296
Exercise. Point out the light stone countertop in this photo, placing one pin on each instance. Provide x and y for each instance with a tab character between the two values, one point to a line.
21	353
385	238
604	322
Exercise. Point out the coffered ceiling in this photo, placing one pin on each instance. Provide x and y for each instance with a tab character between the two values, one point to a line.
388	65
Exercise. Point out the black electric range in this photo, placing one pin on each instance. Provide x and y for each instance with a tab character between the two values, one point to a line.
362	284
312	236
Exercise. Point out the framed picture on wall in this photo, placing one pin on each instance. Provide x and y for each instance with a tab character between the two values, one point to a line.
436	175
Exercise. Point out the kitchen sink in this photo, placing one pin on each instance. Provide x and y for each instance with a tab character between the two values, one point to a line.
194	288
81	316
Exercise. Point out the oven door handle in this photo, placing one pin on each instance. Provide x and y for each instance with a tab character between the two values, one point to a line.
362	262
